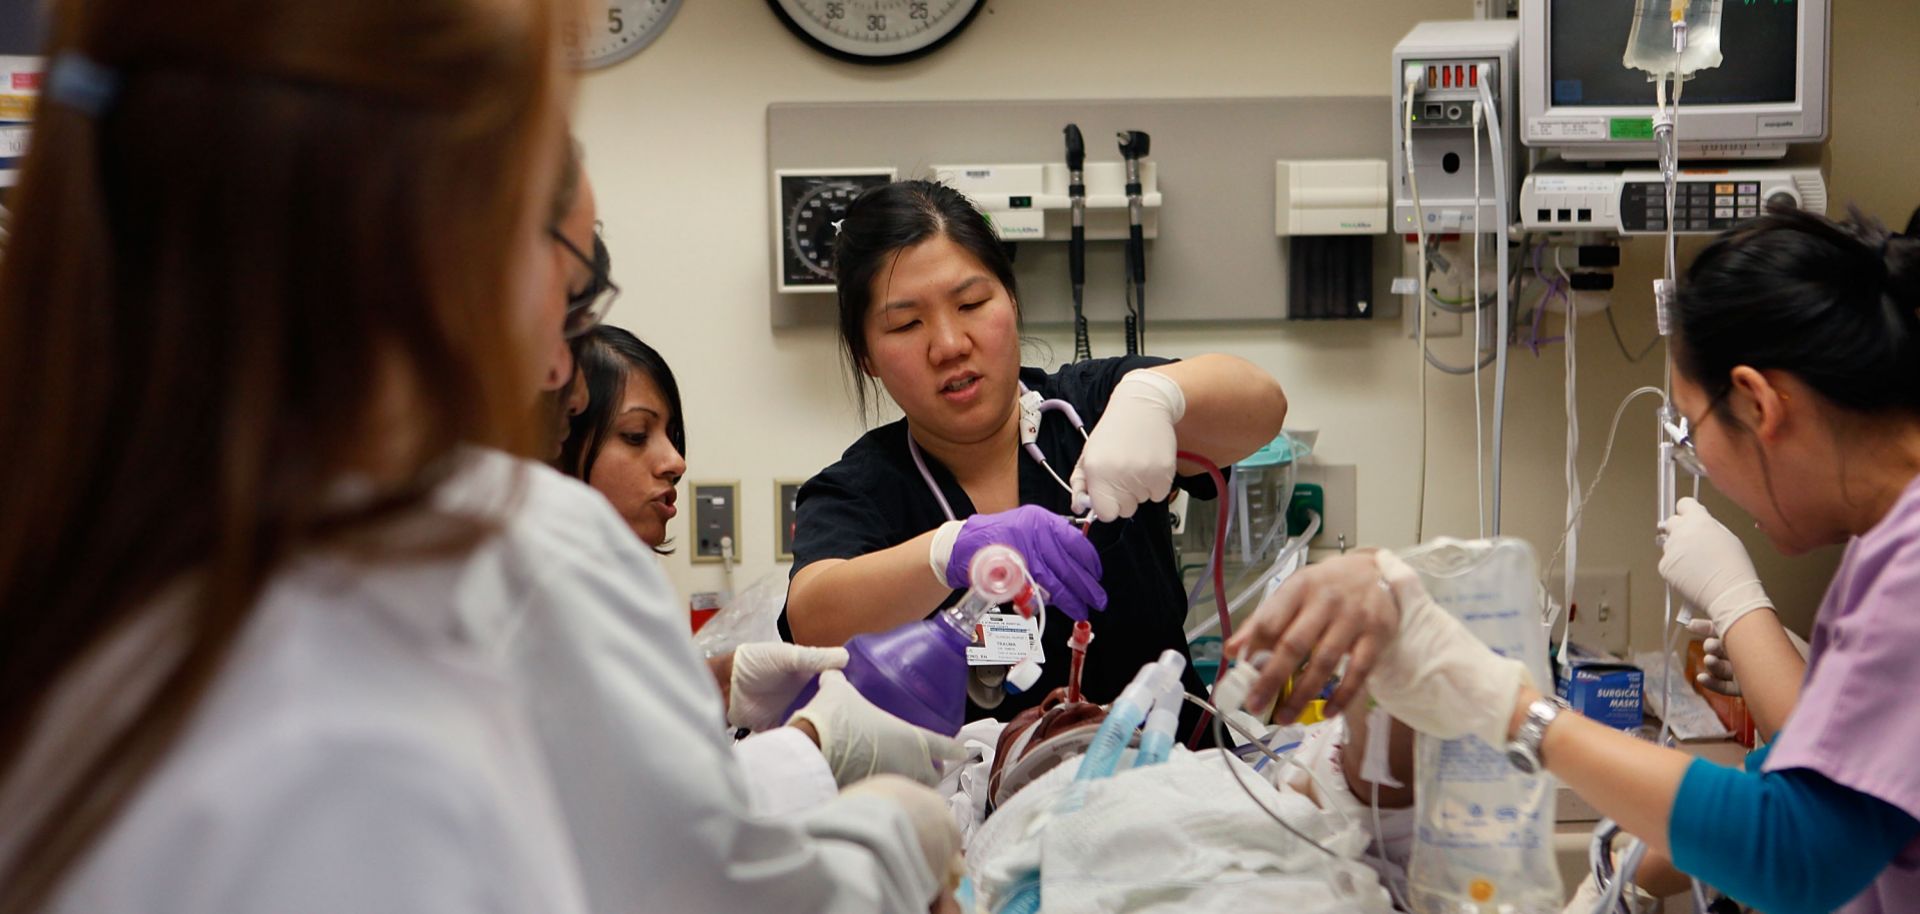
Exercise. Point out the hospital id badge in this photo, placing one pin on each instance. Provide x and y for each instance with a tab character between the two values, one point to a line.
1003	638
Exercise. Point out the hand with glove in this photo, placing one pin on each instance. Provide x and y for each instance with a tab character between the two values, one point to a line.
1708	567
1716	670
767	676
1324	612
933	827
1129	458
1435	676
1058	554
1717	667
859	740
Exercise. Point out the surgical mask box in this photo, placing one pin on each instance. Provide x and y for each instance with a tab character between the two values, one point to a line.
1607	691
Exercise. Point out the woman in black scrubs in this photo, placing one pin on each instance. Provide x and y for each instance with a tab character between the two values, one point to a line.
928	308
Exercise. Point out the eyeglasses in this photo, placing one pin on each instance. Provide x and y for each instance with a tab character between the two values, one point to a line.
589	306
1684	454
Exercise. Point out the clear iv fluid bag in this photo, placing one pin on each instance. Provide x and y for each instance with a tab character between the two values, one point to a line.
1650	44
1483	838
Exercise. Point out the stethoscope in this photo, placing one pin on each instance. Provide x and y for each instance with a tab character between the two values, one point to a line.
984	684
1032	410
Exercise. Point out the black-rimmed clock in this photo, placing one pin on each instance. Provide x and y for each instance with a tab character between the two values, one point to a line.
876	31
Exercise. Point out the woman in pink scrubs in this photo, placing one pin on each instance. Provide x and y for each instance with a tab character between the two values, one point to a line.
1797	366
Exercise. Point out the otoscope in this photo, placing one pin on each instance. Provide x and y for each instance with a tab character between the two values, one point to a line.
1133	148
1077	244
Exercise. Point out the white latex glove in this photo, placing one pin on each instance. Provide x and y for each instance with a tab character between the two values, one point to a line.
859	740
768	675
1436	676
932	821
1706	564
1129	458
1716	671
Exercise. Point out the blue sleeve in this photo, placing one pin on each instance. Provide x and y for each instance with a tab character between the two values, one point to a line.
1784	842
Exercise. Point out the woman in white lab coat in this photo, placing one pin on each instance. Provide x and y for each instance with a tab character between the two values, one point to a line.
269	625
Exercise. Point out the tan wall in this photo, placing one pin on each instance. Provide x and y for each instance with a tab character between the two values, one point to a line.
676	147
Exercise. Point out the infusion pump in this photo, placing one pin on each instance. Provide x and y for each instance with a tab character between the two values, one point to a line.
1561	198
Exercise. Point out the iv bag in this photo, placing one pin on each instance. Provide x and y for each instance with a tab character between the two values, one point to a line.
1484	831
1650	44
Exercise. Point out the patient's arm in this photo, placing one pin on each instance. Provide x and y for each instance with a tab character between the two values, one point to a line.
1399	762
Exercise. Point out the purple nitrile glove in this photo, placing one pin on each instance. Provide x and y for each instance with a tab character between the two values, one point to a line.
1058	554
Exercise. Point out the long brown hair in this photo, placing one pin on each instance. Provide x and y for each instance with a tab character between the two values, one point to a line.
281	253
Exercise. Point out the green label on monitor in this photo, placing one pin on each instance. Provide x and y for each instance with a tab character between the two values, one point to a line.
1631	128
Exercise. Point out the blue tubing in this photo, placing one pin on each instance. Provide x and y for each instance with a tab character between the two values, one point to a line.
1024	898
1103	754
1155	746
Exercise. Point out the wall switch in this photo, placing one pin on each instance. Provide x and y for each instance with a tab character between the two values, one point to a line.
716	515
1599	611
786	517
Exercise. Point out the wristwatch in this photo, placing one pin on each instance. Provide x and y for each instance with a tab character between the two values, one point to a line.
1524	751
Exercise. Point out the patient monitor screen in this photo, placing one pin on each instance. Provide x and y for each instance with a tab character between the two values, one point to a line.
1759	40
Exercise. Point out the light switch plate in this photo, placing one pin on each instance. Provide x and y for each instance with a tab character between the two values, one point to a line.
786	517
1600	604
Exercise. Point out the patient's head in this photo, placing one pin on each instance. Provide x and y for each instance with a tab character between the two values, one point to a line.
1038	740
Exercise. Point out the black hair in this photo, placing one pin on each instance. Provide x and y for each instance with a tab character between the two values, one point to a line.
606	356
1832	303
890	218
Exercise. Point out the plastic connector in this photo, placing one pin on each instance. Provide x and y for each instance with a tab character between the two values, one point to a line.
1591	282
1022	677
1599	256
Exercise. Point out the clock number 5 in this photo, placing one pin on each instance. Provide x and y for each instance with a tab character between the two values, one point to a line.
614	22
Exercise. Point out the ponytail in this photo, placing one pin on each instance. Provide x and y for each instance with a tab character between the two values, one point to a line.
1836	304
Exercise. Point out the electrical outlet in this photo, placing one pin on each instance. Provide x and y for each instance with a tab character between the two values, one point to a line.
1339	488
716	515
786	517
1599	611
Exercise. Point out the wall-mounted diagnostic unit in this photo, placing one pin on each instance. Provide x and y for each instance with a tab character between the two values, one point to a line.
1329	210
808	204
1029	202
1447	59
1330	197
1569	198
1768	91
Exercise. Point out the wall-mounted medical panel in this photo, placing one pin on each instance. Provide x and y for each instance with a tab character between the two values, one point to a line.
1212	252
